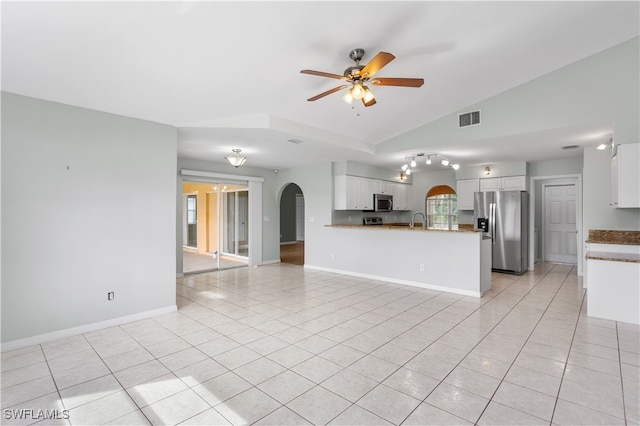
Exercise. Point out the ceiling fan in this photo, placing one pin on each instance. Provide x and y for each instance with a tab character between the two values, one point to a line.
356	77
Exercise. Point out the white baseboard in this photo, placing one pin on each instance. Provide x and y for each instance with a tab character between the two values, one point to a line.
269	262
398	281
47	337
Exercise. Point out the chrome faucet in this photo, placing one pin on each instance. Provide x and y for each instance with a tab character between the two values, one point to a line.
413	218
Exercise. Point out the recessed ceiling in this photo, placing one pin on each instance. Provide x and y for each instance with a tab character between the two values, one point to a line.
227	73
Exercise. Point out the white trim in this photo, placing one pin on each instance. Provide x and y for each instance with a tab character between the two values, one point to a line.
211	175
271	262
284	243
397	281
47	337
532	212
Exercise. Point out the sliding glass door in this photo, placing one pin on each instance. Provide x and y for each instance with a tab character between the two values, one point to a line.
215	226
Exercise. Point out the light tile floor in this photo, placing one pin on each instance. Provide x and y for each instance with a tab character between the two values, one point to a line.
283	345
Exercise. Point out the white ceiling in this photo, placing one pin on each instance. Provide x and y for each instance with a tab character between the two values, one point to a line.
227	73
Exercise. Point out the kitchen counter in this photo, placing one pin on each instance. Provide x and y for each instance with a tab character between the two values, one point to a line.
613	275
456	261
402	227
600	236
613	256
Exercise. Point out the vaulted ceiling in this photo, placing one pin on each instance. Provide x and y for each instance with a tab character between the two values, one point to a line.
227	74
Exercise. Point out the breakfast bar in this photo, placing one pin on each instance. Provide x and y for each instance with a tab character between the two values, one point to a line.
455	261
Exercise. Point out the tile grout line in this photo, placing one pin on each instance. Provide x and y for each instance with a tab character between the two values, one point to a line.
575	327
511	364
624	404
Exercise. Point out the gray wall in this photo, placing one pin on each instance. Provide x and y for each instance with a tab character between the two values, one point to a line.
88	207
288	213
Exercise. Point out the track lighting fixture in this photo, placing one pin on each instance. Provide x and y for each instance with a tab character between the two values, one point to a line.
410	162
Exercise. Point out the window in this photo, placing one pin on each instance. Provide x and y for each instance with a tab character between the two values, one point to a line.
442	208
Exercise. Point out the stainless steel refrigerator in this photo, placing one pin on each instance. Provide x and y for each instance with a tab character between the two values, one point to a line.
503	216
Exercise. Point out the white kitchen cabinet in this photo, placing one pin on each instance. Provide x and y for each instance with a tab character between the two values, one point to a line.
356	193
464	191
401	196
382	187
625	176
353	193
507	183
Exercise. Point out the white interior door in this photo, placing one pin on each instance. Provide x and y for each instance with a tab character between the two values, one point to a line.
560	231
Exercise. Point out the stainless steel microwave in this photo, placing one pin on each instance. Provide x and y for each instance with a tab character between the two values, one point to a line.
382	202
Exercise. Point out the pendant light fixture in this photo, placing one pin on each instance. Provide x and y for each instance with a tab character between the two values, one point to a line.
236	160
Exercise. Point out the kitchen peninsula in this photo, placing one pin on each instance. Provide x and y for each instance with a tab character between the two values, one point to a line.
456	261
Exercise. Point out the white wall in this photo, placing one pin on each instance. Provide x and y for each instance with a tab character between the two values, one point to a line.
602	89
424	181
316	183
88	207
598	213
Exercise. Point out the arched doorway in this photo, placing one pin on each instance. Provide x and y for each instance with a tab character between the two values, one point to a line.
292	225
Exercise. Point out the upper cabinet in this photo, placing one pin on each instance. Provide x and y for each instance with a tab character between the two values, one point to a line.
401	196
353	193
356	193
507	183
465	190
625	176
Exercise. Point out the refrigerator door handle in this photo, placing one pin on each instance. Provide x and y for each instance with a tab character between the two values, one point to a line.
492	221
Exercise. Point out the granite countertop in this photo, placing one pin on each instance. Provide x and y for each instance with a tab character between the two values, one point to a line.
403	227
601	236
613	257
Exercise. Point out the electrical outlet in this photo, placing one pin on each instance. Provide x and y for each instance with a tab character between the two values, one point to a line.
422	267
111	295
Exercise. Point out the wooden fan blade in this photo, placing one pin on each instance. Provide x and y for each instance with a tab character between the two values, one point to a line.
324	74
376	64
370	103
406	82
328	92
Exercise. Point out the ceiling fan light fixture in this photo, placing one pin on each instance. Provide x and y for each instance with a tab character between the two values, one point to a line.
368	95
236	160
357	91
347	97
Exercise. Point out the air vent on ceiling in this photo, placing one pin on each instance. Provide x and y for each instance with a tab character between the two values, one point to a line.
296	141
571	147
469	119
